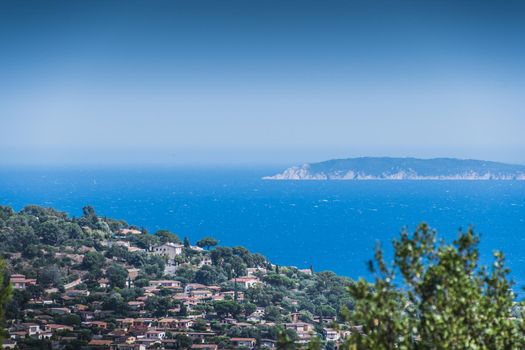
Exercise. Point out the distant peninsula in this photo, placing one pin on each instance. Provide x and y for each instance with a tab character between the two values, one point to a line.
386	168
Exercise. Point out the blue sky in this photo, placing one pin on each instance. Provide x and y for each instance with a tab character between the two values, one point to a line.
260	81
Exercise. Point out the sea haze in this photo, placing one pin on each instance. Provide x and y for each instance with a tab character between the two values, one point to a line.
332	225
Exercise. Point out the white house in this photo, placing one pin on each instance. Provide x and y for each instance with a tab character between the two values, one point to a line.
304	330
165	283
244	342
169	250
331	334
246	281
251	271
32	328
155	335
206	261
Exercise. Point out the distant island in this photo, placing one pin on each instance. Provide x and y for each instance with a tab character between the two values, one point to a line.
386	168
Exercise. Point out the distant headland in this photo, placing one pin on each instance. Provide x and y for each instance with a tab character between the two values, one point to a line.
386	168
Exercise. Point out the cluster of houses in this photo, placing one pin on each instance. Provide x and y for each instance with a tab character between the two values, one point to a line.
139	330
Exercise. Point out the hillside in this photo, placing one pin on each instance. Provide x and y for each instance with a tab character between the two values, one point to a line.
97	283
384	168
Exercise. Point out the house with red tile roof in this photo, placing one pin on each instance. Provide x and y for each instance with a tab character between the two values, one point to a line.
21	282
246	281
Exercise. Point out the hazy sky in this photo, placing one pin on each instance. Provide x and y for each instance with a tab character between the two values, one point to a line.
260	81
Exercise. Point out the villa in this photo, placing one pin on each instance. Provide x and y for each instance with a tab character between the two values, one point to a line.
21	282
169	250
243	342
331	334
246	281
165	283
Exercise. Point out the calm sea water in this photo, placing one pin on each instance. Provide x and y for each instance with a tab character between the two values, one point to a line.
330	225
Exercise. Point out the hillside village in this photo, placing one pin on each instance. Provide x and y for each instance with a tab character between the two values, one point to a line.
98	283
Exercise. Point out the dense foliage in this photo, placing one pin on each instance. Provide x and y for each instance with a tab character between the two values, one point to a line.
47	245
5	295
446	300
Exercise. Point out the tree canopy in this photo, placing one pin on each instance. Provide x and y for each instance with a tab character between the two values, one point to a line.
166	236
207	242
445	299
5	294
117	275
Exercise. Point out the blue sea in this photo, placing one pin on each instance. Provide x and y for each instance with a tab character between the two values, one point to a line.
332	225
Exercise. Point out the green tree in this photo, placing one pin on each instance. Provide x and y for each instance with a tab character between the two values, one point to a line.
209	275
159	306
238	266
225	308
5	295
18	233
50	276
200	325
272	313
69	319
182	341
286	339
43	214
93	260
185	273
73	230
186	242
53	232
6	212
314	344
167	236
207	242
146	241
249	308
89	217
30	251
447	300
117	276
115	302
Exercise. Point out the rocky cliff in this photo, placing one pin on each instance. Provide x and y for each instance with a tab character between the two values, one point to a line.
371	168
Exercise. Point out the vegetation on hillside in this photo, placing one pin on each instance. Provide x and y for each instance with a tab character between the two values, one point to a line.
42	243
433	295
